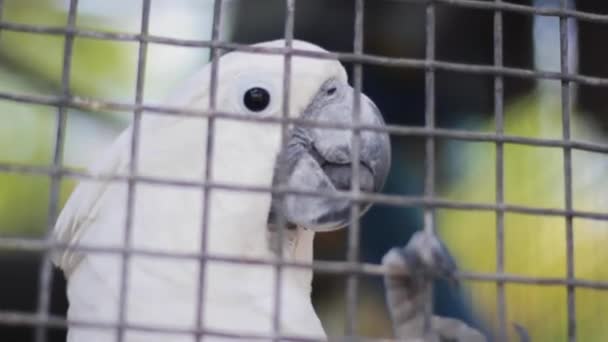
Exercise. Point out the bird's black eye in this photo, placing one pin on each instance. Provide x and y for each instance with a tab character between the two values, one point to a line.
331	91
256	99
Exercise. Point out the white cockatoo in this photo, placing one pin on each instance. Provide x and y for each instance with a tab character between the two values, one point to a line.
238	298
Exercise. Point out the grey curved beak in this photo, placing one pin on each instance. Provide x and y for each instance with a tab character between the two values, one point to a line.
320	159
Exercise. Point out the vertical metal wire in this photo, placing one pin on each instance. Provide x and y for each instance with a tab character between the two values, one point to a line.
133	166
429	182
352	286
429	116
1	12
46	268
214	55
281	219
566	109
500	186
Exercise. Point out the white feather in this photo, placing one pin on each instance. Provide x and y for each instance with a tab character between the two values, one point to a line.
162	291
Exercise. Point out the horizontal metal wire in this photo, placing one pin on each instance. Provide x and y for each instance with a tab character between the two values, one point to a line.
472	4
21	318
363	197
516	8
479	69
400	130
17	318
332	267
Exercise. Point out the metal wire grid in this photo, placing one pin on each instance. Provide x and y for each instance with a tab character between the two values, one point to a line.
46	267
500	217
42	320
429	119
566	96
133	157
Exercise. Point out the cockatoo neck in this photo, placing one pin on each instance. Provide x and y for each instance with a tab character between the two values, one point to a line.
243	154
297	246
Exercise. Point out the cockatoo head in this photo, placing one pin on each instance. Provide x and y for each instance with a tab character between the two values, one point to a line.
313	158
320	159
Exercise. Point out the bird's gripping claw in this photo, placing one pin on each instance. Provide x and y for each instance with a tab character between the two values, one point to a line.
412	270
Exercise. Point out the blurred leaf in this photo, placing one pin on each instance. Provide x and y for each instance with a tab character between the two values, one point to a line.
99	67
32	64
26	138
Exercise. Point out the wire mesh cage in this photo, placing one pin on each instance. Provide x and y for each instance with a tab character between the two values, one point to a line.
499	140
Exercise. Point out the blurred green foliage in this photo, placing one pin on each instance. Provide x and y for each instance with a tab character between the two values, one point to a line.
32	63
534	245
99	67
26	135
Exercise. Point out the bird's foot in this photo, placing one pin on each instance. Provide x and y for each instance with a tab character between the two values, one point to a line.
415	266
426	256
412	270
